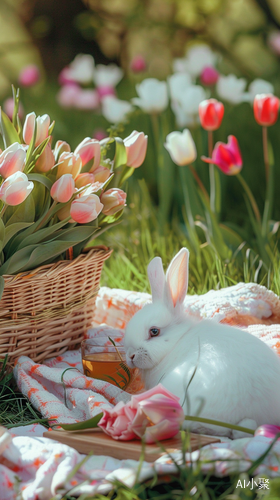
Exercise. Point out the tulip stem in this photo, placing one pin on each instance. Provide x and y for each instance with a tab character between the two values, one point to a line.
211	172
269	184
265	153
220	424
250	196
48	214
199	182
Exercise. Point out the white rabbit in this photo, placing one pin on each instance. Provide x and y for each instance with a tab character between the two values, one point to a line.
235	375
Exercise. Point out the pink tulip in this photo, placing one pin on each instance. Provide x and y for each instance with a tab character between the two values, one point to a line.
152	416
105	90
267	430
136	147
63	189
227	156
89	150
84	179
69	163
209	76
43	123
101	174
8	107
61	147
29	76
67	95
113	200
138	64
86	208
12	160
46	160
15	189
86	99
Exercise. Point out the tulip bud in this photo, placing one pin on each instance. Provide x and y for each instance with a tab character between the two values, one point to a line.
181	147
61	147
15	189
86	208
12	160
227	156
46	160
99	134
209	76
136	148
211	113
266	107
84	179
43	123
89	150
138	64
113	200
29	76
101	174
70	163
63	189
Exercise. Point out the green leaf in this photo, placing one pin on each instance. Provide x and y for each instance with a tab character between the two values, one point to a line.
87	424
13	229
25	212
2	234
128	171
16	106
42	179
16	262
42	234
2	286
109	219
13	244
8	131
30	149
120	153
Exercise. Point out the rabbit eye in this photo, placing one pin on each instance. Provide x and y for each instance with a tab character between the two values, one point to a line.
154	331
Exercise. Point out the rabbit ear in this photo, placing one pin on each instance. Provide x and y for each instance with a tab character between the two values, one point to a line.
156	278
177	278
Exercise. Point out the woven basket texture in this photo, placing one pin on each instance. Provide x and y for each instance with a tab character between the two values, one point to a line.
46	311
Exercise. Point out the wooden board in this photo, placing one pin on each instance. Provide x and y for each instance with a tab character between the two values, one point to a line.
97	442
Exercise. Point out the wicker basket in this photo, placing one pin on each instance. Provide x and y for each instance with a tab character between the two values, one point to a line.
48	310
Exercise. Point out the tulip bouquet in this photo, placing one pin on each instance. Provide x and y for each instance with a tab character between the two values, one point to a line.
53	202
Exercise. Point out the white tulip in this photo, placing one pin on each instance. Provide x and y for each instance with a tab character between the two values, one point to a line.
178	83
191	98
107	76
181	147
259	86
81	69
153	95
231	89
198	57
114	109
180	65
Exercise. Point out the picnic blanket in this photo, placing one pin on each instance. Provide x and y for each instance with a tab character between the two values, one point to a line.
69	396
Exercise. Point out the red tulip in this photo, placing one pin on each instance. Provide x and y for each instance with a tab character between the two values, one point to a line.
226	156
211	113
266	107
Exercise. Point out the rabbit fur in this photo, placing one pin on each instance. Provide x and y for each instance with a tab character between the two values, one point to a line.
218	371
